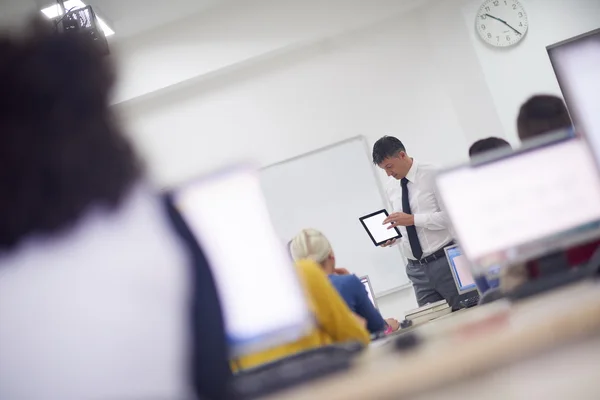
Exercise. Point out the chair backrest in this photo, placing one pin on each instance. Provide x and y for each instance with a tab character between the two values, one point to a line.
210	372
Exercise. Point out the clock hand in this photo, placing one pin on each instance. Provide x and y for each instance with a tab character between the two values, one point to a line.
505	23
516	31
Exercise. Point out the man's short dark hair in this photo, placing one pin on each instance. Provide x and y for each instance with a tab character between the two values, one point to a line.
387	146
542	114
487	144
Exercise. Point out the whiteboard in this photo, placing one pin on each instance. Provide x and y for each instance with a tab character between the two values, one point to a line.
330	189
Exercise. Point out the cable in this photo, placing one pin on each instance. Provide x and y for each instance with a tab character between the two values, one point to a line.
64	15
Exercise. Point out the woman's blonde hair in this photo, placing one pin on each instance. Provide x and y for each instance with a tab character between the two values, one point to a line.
310	244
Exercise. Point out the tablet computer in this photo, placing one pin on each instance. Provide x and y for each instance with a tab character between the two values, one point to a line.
379	233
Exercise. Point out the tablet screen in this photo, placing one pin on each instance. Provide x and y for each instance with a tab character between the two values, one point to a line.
379	233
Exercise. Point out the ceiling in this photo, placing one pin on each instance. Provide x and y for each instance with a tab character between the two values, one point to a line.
126	17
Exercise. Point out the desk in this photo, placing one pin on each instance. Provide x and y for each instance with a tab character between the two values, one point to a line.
435	327
461	351
569	372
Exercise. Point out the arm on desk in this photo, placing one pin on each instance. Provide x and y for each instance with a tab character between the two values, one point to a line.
366	309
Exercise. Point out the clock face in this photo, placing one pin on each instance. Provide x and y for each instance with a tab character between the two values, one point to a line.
501	23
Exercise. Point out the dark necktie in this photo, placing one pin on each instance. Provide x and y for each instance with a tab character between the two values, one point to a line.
413	239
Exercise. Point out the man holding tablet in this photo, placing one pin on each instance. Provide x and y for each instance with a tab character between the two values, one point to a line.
421	222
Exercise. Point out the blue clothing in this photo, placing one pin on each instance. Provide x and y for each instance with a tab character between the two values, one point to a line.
355	295
209	372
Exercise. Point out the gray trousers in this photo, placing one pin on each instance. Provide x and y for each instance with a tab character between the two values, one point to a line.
433	282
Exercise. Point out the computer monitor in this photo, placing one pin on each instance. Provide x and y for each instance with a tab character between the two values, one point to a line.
367	284
262	298
576	62
525	204
461	270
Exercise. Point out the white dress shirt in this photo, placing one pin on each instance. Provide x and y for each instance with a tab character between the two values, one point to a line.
430	220
99	311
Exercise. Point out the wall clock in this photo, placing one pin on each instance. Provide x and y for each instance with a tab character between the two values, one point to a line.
501	23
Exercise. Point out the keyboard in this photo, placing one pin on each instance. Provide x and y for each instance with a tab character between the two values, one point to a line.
299	368
469	302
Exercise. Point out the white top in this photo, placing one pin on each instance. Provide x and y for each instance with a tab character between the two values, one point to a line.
431	222
98	312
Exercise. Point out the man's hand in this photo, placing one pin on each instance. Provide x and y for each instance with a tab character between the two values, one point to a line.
399	219
388	243
393	323
341	271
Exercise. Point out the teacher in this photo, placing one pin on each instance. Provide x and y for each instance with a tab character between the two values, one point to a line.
423	224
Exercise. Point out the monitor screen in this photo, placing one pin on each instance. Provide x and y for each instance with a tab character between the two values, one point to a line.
576	63
524	204
262	298
461	270
367	284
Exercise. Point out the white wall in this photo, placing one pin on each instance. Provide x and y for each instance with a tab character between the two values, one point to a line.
238	30
376	82
283	83
396	304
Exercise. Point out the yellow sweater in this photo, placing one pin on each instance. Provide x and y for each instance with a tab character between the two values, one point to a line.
335	321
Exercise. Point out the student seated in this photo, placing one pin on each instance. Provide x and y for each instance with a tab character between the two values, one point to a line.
313	245
484	145
335	323
542	114
95	299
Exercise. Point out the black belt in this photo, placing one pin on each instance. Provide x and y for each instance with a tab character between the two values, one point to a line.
436	255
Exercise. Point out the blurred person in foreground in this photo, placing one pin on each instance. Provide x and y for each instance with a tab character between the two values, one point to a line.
96	296
335	323
313	245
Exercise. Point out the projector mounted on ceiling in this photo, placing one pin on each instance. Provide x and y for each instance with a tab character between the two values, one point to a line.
59	8
78	20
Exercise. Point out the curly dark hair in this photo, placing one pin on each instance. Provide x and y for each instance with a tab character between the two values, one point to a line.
61	148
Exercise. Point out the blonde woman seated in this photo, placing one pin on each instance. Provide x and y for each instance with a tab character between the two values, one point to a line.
313	245
335	323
